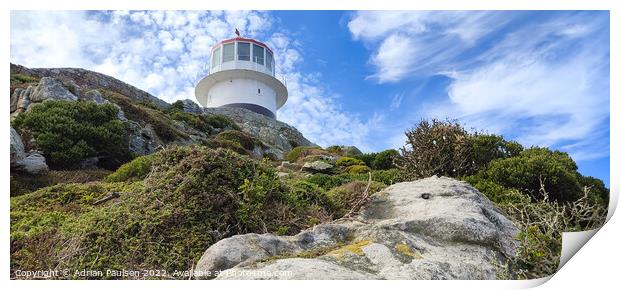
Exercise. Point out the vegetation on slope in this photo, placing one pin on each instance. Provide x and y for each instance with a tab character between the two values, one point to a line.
70	131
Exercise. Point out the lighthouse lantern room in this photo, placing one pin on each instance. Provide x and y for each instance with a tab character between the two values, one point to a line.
242	75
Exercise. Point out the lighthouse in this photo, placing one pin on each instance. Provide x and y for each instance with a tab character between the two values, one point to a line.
242	75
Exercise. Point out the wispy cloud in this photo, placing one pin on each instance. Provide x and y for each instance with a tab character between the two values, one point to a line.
541	82
166	52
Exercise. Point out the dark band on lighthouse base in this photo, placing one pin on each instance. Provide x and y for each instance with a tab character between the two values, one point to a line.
252	107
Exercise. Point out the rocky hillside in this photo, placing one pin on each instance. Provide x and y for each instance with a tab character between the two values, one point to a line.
151	123
433	228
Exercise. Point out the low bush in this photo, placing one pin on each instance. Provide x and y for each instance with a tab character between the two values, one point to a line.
384	160
303	193
302	151
191	197
243	139
146	113
348	161
534	167
354	169
541	226
19	79
136	169
326	181
69	131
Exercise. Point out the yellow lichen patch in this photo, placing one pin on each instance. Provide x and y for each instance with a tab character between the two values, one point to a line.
355	248
406	250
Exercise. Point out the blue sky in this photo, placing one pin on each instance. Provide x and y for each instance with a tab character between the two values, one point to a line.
362	78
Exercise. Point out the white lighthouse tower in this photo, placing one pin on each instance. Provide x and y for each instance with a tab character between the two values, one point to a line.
242	75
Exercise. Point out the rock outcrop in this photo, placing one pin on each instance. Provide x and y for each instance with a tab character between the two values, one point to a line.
47	89
317	167
86	80
278	136
434	228
30	162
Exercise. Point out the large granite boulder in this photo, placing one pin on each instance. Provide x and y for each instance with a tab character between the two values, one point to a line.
47	89
433	228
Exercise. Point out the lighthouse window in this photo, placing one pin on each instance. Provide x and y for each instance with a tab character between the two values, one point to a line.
229	52
259	53
216	60
243	51
268	60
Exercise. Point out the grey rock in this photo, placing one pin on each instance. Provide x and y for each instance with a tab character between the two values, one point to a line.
95	96
190	107
456	233
143	140
49	88
17	148
317	167
33	163
89	80
288	166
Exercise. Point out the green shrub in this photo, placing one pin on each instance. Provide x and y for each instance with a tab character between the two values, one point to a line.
445	148
489	147
136	169
18	79
599	194
69	131
534	167
384	159
244	140
357	169
226	144
192	197
436	148
348	161
146	113
497	193
301	151
326	181
388	177
304	193
345	197
209	124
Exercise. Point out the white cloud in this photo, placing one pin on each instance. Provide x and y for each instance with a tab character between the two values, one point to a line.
166	52
544	83
419	42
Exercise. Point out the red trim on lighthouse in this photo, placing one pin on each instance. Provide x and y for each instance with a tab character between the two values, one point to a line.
242	39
